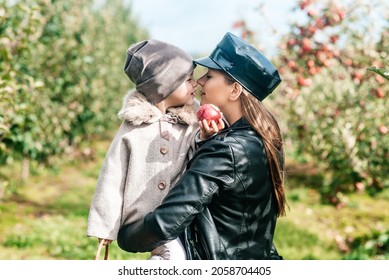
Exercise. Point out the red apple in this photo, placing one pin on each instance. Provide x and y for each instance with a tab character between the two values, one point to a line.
306	45
342	14
359	186
291	42
312	12
304	82
311	63
383	129
209	112
312	71
334	38
292	64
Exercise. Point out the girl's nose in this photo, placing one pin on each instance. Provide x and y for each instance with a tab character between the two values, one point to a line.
200	81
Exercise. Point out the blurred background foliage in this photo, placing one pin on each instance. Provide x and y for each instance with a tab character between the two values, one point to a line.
335	111
61	77
61	85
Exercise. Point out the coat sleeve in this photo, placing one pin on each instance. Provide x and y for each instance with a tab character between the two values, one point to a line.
210	169
106	207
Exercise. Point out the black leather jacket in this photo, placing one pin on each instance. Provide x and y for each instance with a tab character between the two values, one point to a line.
224	203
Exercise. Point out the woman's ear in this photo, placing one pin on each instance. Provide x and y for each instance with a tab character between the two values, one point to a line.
236	91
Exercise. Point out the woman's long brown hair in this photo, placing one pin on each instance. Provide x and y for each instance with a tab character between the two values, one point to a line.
267	127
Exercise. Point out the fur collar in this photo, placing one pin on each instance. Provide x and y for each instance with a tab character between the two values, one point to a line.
137	110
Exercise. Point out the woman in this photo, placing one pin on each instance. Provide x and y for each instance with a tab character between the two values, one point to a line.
152	146
228	200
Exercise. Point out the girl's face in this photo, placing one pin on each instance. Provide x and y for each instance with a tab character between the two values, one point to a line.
214	88
184	94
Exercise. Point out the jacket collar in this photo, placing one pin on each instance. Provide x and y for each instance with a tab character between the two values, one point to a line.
137	110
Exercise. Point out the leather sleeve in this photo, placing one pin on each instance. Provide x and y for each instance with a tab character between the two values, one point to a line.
211	168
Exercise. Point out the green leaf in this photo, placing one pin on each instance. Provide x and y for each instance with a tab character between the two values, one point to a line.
379	72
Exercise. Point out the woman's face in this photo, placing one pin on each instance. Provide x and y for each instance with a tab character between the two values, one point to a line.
184	94
214	88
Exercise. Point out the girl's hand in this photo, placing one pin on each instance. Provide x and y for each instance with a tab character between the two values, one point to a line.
106	241
207	131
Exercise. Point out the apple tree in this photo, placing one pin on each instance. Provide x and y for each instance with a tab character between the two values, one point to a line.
61	76
337	110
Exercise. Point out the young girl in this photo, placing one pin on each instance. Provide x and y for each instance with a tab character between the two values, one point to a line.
152	145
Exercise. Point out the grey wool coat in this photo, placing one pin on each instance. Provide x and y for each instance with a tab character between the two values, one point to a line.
145	159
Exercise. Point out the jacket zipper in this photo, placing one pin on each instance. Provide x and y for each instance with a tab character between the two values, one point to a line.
198	237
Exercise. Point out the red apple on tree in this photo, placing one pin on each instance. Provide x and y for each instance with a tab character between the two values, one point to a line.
210	113
383	129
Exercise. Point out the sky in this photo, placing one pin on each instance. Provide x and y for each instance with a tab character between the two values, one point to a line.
198	25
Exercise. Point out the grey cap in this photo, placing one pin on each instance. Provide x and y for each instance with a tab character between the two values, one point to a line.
157	68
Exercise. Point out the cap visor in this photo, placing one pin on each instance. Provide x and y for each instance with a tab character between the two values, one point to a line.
207	62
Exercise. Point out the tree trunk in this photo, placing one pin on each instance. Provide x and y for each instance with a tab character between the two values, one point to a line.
25	168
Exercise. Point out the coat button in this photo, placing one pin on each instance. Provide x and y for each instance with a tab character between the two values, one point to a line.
164	150
162	185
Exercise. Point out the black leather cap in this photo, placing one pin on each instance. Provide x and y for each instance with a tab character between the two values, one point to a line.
244	64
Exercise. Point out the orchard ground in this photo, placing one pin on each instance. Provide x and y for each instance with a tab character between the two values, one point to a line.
47	218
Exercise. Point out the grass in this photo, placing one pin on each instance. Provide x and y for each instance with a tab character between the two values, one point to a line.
47	217
313	230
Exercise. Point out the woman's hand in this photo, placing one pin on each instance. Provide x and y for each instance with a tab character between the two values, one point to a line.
207	131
